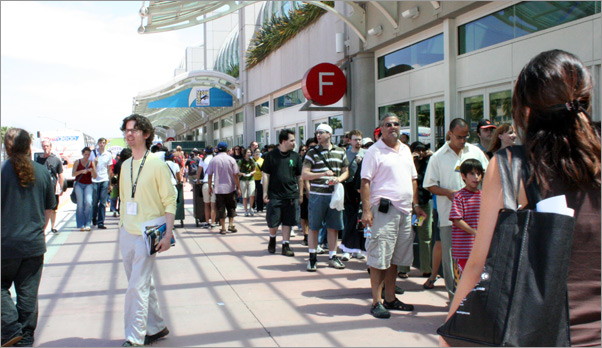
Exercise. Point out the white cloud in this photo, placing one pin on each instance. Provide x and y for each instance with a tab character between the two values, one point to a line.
66	61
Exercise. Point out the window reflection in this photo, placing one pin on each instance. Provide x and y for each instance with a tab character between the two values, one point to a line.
402	110
262	109
290	99
500	106
412	57
473	113
519	20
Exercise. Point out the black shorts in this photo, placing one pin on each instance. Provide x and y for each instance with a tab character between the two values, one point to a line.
225	202
304	211
56	206
282	211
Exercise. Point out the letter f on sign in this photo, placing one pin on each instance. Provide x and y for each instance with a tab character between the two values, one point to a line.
323	83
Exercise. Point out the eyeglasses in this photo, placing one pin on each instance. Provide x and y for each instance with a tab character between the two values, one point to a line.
356	139
320	132
132	131
391	124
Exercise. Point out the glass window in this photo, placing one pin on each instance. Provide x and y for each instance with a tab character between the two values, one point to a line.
239	140
301	134
215	125
521	19
412	57
239	117
402	110
473	113
290	99
423	118
439	125
500	107
225	122
262	109
336	122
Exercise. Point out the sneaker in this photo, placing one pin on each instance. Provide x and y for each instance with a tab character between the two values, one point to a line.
380	312
359	256
286	250
346	257
336	263
246	213
54	230
293	234
272	245
324	246
114	214
88	228
222	231
152	338
251	212
304	240
398	305
232	229
403	275
311	265
130	344
82	228
94	222
102	227
319	250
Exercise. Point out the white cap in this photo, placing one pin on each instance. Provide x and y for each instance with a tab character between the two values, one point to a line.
324	127
367	140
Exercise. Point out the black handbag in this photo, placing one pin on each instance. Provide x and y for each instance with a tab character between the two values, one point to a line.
521	297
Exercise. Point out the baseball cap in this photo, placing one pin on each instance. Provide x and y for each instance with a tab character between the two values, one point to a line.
485	123
208	149
324	128
377	132
367	140
222	146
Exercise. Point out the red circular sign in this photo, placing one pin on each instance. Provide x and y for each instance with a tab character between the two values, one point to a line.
324	84
170	139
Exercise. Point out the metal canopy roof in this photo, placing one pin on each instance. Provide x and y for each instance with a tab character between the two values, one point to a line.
185	118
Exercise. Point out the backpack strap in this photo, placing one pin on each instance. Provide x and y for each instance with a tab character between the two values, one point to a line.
322	158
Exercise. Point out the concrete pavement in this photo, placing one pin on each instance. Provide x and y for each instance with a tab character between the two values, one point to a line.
222	290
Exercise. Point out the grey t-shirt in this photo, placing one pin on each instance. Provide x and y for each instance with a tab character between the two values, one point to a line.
22	229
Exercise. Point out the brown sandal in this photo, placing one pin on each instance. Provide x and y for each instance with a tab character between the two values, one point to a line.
429	284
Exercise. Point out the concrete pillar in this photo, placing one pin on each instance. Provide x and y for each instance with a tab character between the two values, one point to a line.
363	111
450	93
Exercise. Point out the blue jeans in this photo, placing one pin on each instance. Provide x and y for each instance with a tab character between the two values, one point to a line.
99	204
83	213
21	319
320	213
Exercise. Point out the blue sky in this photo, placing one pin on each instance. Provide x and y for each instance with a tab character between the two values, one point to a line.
80	63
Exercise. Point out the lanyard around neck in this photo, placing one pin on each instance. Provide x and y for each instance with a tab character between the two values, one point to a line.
135	183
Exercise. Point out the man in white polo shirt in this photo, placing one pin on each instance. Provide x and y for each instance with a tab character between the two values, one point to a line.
389	191
442	178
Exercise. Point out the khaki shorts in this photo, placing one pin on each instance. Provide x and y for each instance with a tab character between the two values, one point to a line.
391	241
247	188
205	190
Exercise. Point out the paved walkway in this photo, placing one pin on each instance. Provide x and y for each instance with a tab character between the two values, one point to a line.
222	290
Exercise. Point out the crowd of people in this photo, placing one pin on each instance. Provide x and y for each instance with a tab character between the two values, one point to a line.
365	198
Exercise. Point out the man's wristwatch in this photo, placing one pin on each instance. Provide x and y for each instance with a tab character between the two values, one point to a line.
415	205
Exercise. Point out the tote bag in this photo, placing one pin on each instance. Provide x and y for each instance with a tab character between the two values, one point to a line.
521	297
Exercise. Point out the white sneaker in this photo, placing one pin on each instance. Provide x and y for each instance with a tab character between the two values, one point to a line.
359	256
252	212
293	234
319	250
246	213
346	257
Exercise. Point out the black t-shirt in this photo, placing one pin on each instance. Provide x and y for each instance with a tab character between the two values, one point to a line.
23	212
284	170
54	166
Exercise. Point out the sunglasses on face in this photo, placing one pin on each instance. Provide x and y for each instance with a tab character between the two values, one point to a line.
391	124
320	132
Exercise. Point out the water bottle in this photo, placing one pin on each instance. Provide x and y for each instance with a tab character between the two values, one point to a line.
367	232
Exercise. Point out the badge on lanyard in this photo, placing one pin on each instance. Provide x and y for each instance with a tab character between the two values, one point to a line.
132	208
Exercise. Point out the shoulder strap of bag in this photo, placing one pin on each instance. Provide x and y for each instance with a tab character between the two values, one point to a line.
520	170
172	173
323	159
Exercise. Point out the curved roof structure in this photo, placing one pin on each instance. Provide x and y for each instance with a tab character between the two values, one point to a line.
163	105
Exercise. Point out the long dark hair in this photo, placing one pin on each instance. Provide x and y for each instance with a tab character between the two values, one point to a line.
550	103
17	143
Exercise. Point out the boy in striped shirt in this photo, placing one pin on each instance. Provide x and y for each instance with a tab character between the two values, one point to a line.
464	215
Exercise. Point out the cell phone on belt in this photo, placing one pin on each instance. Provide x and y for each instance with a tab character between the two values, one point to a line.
383	207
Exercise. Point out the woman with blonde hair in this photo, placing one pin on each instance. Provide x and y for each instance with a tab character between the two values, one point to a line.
550	106
27	198
503	137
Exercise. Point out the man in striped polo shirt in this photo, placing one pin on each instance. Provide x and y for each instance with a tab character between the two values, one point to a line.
325	165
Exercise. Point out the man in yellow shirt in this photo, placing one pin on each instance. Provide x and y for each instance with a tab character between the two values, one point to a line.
147	194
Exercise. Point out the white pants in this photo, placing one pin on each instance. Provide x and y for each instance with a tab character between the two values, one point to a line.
142	314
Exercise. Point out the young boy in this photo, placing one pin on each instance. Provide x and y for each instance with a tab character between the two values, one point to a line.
464	215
